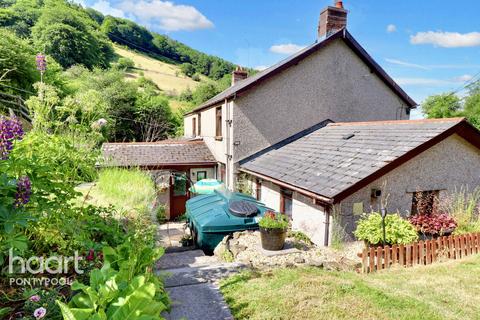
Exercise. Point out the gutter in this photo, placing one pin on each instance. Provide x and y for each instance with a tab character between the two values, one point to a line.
321	199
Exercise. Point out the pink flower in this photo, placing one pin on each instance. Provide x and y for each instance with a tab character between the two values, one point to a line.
34	298
39	313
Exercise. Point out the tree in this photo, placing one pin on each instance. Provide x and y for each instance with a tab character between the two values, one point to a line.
154	117
472	104
17	62
187	69
68	35
442	106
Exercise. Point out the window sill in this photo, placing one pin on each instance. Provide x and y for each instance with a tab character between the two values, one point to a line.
218	138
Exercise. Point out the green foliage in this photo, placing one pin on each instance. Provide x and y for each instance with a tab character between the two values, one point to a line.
442	106
463	206
398	230
115	183
69	35
271	220
125	63
187	69
17	62
124	288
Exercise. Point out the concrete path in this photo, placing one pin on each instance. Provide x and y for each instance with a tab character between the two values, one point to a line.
191	280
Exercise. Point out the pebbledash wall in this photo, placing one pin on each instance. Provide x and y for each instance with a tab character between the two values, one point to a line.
332	83
448	166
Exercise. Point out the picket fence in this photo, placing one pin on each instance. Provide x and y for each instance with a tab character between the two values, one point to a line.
420	253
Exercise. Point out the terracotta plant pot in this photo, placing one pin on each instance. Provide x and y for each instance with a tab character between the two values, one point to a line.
273	239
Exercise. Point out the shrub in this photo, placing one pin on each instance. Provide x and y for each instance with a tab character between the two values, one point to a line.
433	224
271	220
125	63
397	229
463	206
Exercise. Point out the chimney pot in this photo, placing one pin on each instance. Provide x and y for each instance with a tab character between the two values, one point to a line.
239	74
332	19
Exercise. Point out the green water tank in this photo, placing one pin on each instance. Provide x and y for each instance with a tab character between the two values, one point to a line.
211	217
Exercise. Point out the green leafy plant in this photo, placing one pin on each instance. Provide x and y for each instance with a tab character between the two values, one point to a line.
397	229
463	206
124	288
272	220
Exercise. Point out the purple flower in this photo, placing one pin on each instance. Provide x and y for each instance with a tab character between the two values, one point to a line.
35	298
39	313
24	190
10	130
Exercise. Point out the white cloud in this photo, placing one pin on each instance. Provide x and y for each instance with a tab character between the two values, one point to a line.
391	28
406	64
166	15
422	82
260	68
432	82
431	66
287	48
105	8
464	78
80	2
447	39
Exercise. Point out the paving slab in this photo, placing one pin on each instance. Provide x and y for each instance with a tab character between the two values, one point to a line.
197	302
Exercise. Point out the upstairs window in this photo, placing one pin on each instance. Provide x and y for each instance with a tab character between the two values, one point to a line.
194	126
199	132
219	122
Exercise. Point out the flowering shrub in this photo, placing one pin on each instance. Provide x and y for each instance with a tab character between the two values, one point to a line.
433	224
397	229
271	220
10	130
41	305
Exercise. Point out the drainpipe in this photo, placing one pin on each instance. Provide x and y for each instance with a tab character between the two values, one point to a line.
227	141
327	225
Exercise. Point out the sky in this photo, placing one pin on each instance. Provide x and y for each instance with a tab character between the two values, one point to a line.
428	47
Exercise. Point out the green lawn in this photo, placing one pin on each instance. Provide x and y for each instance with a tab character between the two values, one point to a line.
448	290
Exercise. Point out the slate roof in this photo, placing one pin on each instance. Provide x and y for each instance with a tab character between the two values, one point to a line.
249	82
162	153
336	157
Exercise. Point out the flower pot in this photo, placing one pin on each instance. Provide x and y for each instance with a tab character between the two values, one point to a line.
273	239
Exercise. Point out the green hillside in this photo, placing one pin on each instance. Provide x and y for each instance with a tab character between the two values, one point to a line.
100	68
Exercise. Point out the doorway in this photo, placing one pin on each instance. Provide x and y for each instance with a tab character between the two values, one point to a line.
179	194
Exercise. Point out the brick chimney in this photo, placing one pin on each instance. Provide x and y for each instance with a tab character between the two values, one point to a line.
238	74
332	19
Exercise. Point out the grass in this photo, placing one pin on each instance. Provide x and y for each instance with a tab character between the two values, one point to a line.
166	76
127	190
446	290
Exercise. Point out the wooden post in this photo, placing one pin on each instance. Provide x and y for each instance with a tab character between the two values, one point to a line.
394	254
379	258
371	260
365	260
415	254
386	256
429	251
401	255
409	255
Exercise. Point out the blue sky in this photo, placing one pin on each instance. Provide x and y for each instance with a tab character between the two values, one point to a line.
429	46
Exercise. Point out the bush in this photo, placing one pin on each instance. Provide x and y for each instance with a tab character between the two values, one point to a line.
397	229
125	63
271	220
463	206
433	224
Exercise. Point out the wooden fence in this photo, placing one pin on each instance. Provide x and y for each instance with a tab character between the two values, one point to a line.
420	253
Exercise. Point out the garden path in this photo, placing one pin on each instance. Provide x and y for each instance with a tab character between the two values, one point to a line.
191	280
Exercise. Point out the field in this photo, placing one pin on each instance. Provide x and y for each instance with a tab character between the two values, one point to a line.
446	290
168	77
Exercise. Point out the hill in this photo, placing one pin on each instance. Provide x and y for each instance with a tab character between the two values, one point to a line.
168	77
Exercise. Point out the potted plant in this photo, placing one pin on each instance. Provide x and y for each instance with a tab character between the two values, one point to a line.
273	230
